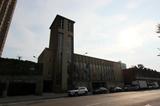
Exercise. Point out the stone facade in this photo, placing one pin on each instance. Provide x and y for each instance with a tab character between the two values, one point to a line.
64	70
93	72
135	74
58	57
20	77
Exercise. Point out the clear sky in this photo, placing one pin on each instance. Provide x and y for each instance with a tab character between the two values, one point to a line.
117	30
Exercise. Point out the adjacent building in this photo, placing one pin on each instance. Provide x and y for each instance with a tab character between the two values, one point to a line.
141	76
18	77
63	70
94	72
6	12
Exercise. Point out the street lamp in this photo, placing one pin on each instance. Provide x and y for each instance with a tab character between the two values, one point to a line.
35	57
85	53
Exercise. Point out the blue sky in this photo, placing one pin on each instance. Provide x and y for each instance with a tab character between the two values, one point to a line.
117	30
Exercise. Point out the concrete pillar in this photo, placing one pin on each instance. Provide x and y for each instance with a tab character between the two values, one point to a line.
39	87
90	86
5	90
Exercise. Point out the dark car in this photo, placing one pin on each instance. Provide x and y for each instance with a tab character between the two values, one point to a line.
131	88
101	90
116	89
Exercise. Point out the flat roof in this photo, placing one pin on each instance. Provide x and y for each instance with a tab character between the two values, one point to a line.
59	16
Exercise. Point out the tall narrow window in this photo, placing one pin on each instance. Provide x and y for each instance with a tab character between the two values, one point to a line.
62	23
60	47
60	41
70	26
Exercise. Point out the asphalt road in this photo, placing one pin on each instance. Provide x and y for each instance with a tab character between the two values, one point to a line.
139	98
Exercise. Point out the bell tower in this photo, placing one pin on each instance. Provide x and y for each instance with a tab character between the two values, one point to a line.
61	42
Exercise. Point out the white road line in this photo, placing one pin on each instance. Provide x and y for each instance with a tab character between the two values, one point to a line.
94	104
148	105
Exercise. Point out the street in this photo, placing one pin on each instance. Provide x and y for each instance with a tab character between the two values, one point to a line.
136	98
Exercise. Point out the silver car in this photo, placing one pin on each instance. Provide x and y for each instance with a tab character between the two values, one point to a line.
78	91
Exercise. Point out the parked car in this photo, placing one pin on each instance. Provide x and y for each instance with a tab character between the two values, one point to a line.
131	87
116	89
150	86
101	90
78	91
153	85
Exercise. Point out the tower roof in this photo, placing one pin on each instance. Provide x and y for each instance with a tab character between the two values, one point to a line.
60	17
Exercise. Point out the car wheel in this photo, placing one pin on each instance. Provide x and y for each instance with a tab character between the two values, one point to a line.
86	92
76	94
69	95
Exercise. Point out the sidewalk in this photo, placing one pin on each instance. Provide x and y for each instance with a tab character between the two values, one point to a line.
15	99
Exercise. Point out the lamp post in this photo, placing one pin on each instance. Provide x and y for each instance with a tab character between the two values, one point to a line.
35	57
85	53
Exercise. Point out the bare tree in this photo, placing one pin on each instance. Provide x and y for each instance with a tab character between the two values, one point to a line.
158	31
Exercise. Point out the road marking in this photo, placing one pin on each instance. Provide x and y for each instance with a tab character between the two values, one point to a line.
94	104
148	105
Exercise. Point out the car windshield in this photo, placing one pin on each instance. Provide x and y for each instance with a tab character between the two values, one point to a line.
76	88
118	88
102	88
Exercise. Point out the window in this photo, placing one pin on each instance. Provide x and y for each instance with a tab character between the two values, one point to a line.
62	23
60	41
70	26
